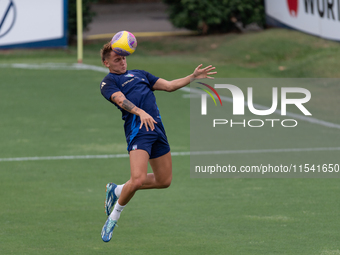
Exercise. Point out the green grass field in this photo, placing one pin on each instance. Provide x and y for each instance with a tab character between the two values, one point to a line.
57	206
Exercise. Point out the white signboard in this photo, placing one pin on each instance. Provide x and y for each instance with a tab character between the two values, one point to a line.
316	17
33	23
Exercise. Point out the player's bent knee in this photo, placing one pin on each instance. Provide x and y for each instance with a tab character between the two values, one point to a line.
166	184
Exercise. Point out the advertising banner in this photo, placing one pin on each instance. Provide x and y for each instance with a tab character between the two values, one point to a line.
36	23
316	17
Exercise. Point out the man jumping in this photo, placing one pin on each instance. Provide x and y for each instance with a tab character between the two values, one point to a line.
131	91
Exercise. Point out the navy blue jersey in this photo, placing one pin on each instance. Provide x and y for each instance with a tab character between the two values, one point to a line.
136	85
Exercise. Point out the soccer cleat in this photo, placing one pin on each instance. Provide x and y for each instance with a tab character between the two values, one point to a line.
108	229
110	198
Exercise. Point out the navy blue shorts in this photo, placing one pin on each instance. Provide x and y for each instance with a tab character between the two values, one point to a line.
154	142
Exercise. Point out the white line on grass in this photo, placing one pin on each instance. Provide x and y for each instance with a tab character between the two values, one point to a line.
63	66
185	153
56	66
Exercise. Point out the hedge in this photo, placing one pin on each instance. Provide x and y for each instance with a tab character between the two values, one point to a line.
207	16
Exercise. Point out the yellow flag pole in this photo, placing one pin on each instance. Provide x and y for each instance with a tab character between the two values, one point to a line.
80	31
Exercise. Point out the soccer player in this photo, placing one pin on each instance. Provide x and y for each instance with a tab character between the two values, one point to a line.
131	91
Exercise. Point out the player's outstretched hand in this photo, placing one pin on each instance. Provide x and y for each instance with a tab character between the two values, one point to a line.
147	120
201	73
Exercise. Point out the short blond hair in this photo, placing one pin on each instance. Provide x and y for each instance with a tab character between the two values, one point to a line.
105	51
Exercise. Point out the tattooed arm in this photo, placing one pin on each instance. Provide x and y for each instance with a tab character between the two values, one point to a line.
145	119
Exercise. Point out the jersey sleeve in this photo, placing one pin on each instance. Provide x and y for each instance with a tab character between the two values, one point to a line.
108	87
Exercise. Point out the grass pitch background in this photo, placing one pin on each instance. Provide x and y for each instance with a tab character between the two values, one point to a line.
56	206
